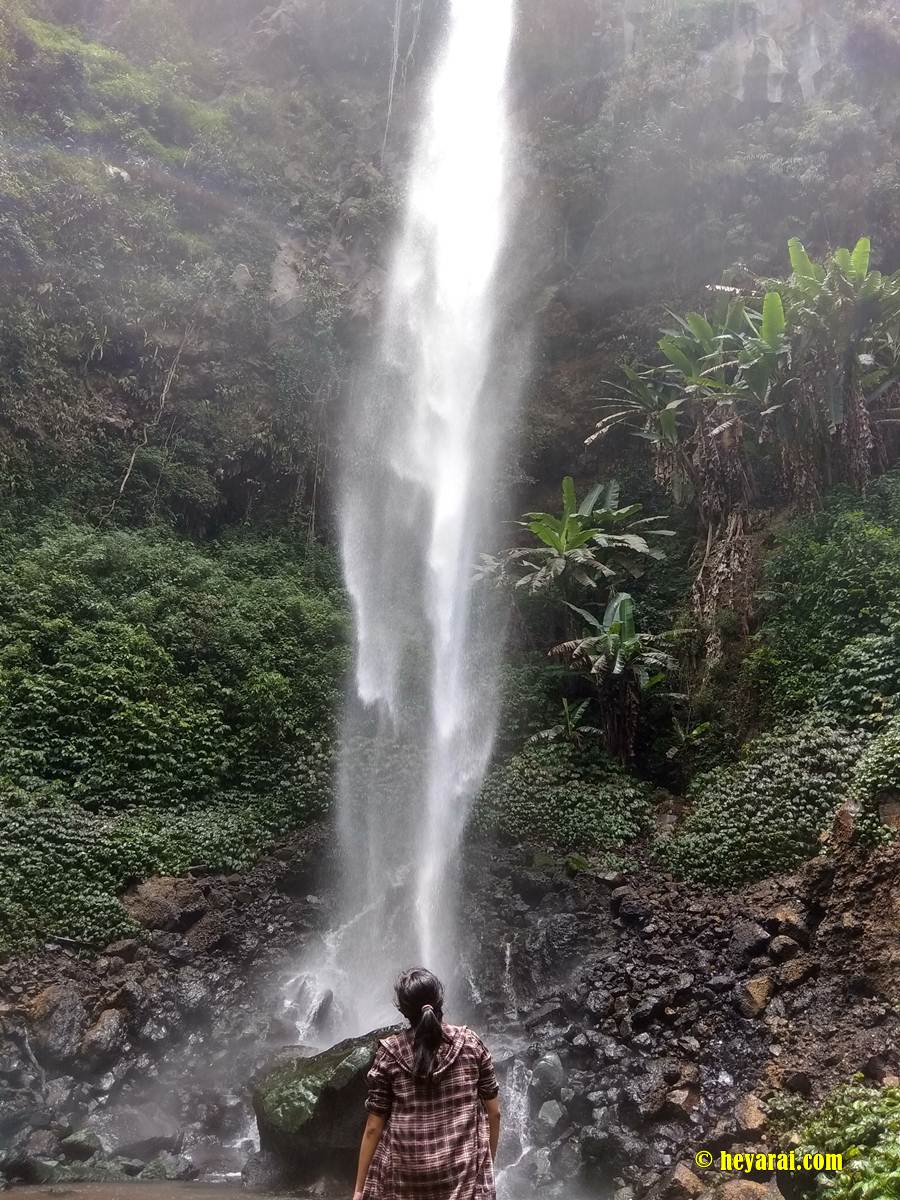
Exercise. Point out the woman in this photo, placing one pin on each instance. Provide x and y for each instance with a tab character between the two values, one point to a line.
434	1113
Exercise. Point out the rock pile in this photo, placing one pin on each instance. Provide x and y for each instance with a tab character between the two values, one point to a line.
647	1019
90	1088
657	1021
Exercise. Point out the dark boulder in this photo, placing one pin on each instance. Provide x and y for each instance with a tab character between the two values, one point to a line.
59	1020
547	1078
310	1109
137	1132
105	1038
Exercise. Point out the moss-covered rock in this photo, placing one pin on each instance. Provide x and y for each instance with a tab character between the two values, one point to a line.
310	1108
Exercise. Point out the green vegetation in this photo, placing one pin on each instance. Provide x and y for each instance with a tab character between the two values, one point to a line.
569	797
826	655
583	554
833	615
768	397
590	543
863	1124
877	778
764	814
161	705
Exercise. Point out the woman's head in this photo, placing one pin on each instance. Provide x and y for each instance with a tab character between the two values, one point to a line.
420	998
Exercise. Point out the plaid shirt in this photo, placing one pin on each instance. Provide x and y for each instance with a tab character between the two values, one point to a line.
435	1143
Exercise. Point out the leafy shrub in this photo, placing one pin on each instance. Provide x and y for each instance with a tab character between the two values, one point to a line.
162	704
765	813
577	800
140	669
530	687
833	625
877	775
863	687
62	866
862	1124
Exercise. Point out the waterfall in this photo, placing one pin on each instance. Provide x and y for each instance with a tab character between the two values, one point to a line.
516	1130
417	503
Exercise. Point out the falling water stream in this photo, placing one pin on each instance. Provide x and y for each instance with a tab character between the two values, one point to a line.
417	501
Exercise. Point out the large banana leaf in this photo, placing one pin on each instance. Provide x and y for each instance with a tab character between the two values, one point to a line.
860	259
773	321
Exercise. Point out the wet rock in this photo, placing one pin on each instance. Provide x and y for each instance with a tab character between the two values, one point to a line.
59	1019
43	1143
598	1002
137	1132
621	1149
531	886
565	1160
106	1036
549	1120
95	1171
645	1011
81	1144
263	1172
192	991
643	1099
552	1011
169	1166
308	1109
752	996
594	1142
547	1078
627	904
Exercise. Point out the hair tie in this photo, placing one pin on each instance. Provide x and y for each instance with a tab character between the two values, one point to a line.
427	1008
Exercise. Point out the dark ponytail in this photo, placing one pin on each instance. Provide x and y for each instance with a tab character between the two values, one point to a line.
420	998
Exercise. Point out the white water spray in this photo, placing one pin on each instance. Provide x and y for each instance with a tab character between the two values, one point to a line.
416	507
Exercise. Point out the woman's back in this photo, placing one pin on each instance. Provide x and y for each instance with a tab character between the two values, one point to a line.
434	1116
436	1142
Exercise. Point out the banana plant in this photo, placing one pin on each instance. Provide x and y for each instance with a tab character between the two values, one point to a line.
591	541
842	312
614	647
622	663
572	728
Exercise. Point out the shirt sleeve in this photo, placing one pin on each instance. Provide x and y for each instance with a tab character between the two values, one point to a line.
381	1093
488	1087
